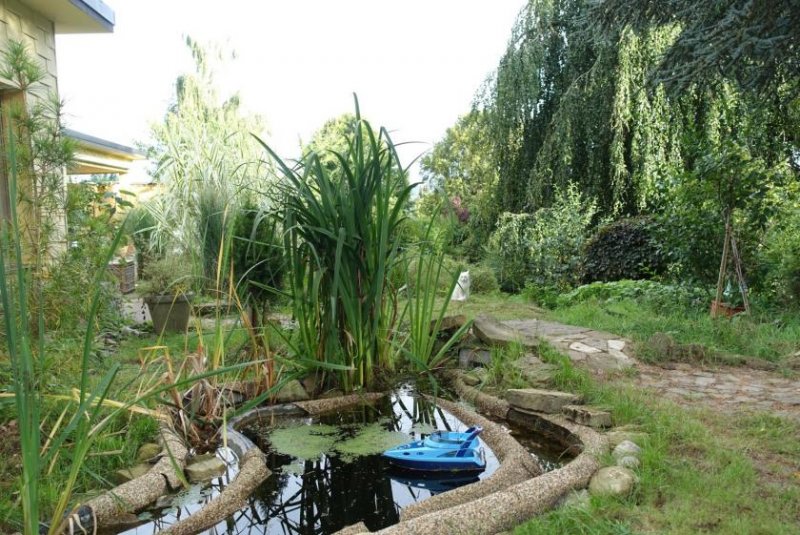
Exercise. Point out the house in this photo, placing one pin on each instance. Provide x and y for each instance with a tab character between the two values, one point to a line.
35	23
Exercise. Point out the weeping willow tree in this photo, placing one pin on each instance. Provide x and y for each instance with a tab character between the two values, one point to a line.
574	102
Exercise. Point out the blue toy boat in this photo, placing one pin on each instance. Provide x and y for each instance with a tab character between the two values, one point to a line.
441	451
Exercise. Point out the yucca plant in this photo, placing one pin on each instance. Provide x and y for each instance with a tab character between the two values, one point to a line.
341	240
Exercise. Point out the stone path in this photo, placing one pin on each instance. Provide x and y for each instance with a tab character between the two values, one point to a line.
726	388
596	350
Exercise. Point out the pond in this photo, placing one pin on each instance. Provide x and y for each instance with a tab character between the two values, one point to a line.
328	472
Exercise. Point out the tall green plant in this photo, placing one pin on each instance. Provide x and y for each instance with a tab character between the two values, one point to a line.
342	239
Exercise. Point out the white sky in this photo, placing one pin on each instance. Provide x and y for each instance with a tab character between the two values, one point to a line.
415	64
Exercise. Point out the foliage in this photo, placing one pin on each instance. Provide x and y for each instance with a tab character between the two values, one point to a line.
422	347
781	255
482	279
140	226
214	221
753	43
544	248
462	167
670	296
171	275
204	153
333	138
624	249
342	240
257	253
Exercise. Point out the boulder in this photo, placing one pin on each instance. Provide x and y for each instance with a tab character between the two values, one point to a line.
492	332
613	481
537	400
291	391
629	461
127	474
148	452
626	448
204	468
587	416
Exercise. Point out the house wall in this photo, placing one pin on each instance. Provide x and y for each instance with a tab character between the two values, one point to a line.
20	23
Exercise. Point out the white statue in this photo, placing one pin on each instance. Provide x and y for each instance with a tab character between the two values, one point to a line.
461	291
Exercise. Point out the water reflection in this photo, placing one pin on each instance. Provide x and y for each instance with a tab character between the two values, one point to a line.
326	493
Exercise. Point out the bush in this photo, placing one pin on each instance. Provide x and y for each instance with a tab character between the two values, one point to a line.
624	249
544	248
665	295
781	258
544	296
482	279
257	253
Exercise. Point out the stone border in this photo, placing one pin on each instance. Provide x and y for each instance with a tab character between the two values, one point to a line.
508	507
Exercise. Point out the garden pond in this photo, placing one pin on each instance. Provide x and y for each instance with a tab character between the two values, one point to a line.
328	472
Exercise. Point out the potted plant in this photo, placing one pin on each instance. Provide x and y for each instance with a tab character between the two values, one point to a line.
165	289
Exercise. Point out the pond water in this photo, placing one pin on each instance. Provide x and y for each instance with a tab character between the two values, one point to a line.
328	472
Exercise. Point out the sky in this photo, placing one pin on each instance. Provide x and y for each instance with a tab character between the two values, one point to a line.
415	64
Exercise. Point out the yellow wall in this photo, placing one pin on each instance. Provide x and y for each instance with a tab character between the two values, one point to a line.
18	22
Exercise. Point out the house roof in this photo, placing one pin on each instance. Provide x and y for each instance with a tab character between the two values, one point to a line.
76	16
95	155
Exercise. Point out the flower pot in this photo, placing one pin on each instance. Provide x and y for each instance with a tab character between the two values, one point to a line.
169	312
724	309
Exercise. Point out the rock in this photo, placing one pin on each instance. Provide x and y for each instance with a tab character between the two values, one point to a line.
535	372
619	435
626	448
450	324
492	332
204	468
292	391
534	399
587	416
468	356
148	452
578	499
612	480
309	383
470	379
629	461
127	474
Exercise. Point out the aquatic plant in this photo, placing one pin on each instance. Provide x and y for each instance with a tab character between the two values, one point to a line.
341	237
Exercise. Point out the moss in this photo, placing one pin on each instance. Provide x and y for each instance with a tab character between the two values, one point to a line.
370	440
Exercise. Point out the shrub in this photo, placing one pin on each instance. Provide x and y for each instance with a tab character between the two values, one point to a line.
624	249
781	258
257	252
544	248
666	295
482	279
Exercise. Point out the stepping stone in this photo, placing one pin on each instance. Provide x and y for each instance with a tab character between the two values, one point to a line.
583	348
619	345
587	416
492	332
204	468
537	400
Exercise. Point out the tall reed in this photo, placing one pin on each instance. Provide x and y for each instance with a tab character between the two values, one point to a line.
341	239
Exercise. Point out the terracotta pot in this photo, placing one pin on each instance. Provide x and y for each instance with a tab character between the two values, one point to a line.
170	312
724	309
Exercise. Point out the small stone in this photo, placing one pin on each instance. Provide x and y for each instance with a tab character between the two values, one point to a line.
578	499
292	391
621	434
450	324
626	448
629	461
204	468
587	416
613	481
148	452
127	474
470	379
534	399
